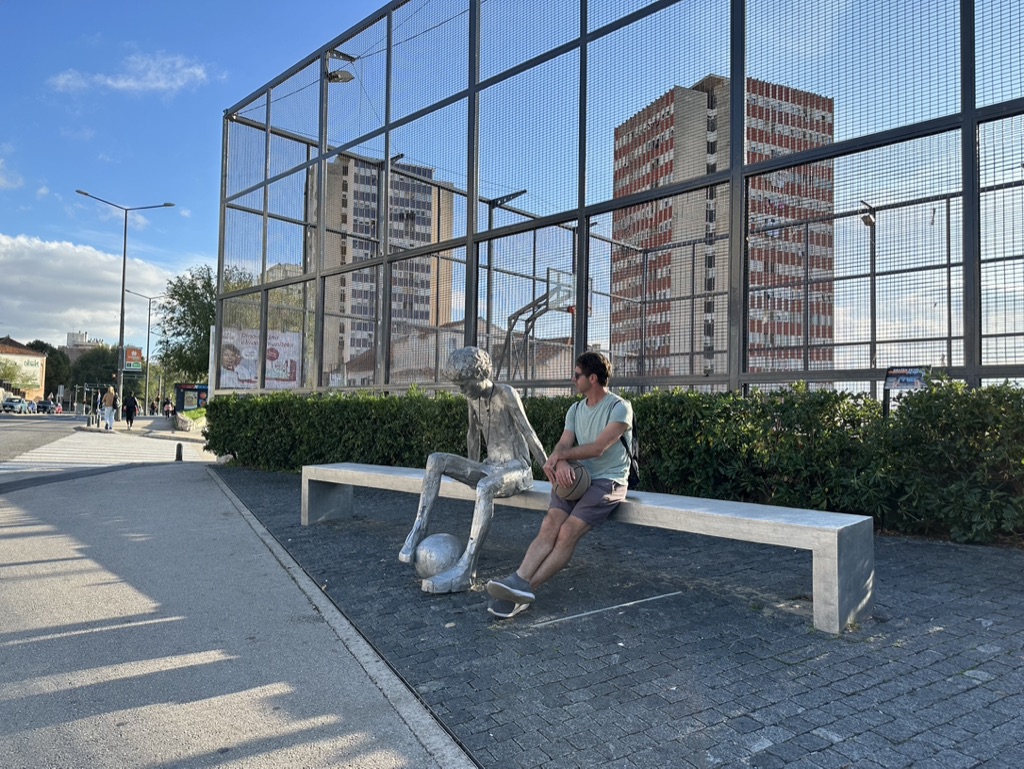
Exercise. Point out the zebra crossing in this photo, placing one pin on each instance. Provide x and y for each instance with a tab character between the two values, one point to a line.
85	449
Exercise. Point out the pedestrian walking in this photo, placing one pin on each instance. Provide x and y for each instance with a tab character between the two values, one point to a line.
110	405
131	408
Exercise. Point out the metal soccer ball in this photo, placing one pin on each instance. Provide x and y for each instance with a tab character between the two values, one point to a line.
437	553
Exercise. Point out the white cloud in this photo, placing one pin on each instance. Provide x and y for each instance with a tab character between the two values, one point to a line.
51	288
78	133
42	192
185	212
9	180
140	73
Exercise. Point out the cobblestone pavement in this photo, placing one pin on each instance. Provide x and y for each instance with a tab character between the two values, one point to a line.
661	649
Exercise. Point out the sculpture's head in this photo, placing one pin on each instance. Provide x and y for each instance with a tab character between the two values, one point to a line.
469	368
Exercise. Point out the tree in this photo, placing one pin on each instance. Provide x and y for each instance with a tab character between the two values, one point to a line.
186	315
98	366
58	366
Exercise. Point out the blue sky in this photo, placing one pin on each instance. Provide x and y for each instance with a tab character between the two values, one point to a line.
125	100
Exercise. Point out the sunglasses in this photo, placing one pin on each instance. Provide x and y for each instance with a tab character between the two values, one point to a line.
577	374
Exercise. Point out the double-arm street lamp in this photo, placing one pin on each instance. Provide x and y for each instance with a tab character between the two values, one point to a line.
124	275
149	319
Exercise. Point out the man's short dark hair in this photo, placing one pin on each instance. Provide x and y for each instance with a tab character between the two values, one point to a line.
597	364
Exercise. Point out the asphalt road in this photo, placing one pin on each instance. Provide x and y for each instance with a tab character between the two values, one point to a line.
23	432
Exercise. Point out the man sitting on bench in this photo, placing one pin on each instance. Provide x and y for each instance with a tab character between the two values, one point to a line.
496	414
593	428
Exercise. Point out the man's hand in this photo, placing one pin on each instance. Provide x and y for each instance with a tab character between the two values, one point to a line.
558	471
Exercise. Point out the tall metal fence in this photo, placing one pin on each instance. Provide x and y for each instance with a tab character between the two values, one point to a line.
718	194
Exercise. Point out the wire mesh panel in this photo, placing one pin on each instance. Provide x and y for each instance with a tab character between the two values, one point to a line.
291	319
1000	58
356	74
602	12
246	156
295	103
349	204
289	225
849	254
668	285
428	174
511	33
286	154
291	197
286	249
529	140
884	64
240	343
1002	240
528	296
426	297
430	50
242	250
657	111
856	246
790	311
351	302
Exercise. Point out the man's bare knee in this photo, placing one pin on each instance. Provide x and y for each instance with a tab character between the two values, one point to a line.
552	524
571	531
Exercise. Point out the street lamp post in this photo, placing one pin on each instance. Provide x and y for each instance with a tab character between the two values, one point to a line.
149	319
124	275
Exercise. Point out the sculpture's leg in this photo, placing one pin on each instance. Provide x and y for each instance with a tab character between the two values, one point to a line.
460	576
428	495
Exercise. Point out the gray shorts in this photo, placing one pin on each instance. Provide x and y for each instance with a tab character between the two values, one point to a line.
594	507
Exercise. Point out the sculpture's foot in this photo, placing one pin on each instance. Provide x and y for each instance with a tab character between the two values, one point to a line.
455	580
408	552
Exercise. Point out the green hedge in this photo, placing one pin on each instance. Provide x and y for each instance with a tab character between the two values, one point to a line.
949	460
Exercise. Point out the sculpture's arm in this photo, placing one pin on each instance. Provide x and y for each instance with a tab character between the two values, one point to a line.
524	426
473	435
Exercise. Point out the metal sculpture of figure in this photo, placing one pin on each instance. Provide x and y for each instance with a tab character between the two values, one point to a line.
497	416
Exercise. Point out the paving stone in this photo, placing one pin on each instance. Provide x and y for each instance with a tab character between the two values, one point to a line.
696	680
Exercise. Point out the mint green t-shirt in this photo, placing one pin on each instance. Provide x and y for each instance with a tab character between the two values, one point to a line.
587	423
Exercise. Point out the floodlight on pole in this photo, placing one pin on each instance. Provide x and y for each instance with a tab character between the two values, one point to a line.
869	217
124	276
339	75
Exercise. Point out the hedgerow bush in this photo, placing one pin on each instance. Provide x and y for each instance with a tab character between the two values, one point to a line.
949	460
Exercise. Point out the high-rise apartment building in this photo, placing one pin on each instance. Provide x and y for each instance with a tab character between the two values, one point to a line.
420	212
670	265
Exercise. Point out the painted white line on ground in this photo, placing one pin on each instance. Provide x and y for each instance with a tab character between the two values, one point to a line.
609	608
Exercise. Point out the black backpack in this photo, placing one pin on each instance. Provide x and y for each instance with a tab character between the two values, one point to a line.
633	452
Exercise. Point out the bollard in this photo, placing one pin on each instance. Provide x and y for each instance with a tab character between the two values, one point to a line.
177	453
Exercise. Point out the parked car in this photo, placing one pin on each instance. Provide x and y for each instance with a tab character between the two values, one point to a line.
46	407
15	405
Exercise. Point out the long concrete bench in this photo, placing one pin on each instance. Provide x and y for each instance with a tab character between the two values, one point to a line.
842	545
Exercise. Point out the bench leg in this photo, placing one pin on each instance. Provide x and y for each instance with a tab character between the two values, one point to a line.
323	501
844	578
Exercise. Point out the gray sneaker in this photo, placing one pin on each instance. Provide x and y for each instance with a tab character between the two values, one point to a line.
506	609
511	588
